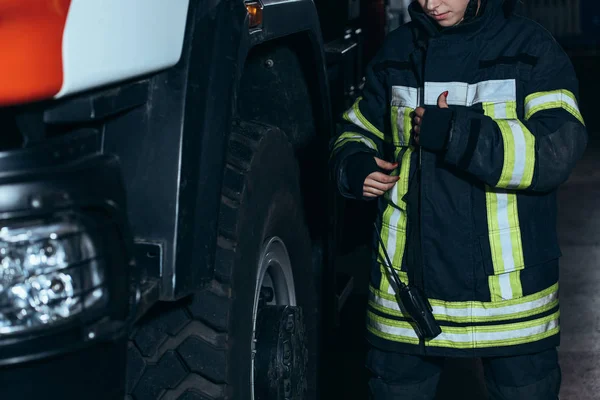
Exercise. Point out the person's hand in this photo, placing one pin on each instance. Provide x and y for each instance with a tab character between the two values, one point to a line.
377	183
442	102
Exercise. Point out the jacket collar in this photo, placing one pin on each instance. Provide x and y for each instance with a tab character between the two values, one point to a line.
491	11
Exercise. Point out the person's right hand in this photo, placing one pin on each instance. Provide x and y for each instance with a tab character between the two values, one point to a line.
377	183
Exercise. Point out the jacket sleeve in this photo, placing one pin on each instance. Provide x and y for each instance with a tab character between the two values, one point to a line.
361	130
534	153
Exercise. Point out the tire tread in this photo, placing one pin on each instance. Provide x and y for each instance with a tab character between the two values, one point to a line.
189	361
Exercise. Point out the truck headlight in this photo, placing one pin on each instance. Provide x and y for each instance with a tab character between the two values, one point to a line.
49	273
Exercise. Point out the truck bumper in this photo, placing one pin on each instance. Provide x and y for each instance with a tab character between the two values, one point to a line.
96	372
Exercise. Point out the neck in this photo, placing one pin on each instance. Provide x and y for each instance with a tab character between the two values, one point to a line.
476	13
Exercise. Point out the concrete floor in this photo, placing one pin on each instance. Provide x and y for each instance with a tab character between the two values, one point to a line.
579	232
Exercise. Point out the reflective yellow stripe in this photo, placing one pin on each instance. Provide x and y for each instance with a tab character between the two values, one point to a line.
541	101
384	285
505	244
396	194
401	125
515	284
353	137
529	151
354	116
505	286
404	101
488	109
502	110
509	154
502	215
495	288
407	125
468	337
510	110
386	278
385	237
395	126
519	155
393	230
472	311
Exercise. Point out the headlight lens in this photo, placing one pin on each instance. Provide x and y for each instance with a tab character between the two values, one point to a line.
48	273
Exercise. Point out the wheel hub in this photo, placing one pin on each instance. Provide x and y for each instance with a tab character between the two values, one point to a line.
281	354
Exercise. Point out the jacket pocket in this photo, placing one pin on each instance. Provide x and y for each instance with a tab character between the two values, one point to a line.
503	260
503	263
503	251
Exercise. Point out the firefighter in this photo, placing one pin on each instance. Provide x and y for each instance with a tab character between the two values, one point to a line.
467	124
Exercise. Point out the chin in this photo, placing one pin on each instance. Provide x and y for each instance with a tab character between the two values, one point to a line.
447	23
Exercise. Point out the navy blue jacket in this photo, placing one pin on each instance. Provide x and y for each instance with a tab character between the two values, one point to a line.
483	226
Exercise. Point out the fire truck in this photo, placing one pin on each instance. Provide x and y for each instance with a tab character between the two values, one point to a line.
168	228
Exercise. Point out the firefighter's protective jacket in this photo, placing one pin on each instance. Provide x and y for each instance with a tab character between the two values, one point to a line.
487	187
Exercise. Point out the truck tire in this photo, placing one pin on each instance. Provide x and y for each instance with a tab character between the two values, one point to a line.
205	347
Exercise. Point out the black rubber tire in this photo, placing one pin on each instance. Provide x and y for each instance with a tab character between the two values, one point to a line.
200	348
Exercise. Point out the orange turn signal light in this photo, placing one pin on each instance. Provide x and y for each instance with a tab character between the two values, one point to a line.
255	14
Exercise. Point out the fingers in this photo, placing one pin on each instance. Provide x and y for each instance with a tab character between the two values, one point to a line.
372	192
388	166
417	120
419	112
417	116
442	101
380	186
380	177
377	183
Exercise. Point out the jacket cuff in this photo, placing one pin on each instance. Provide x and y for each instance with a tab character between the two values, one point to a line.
358	167
464	137
435	129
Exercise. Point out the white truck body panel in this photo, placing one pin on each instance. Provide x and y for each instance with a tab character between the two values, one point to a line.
108	41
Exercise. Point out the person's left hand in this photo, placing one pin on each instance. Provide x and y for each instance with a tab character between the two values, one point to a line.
442	102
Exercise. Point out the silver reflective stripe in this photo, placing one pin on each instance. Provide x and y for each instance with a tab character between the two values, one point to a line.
402	123
520	153
464	94
405	331
551	97
354	137
393	233
355	116
471	336
404	96
504	110
500	111
504	232
541	101
404	100
505	288
352	117
474	310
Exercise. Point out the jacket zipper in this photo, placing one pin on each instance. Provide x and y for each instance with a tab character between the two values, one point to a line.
420	77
